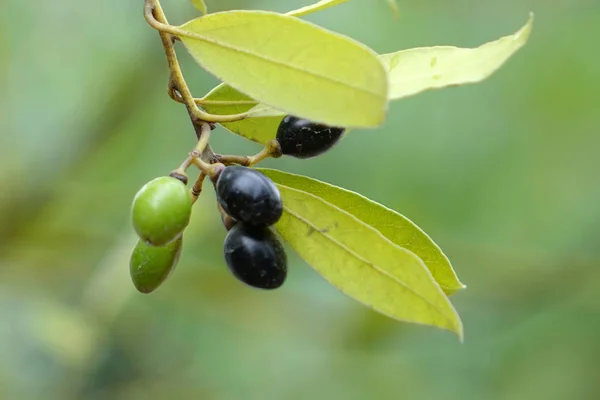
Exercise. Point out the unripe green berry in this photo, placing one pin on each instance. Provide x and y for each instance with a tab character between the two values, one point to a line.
161	210
150	266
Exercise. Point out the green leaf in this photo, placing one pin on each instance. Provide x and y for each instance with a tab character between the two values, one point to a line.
406	74
359	260
321	5
291	65
258	129
200	6
394	226
416	70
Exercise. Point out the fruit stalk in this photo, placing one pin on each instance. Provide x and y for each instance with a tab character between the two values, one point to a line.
271	149
178	87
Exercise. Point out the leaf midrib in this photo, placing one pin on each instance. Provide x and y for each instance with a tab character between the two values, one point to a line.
197	36
355	255
443	258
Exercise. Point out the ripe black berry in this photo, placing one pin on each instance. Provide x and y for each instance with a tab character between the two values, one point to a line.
248	196
302	138
255	256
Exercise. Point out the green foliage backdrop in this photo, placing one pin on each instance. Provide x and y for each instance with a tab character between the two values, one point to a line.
504	176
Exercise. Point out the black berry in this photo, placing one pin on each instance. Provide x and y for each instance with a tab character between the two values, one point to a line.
302	138
249	196
255	256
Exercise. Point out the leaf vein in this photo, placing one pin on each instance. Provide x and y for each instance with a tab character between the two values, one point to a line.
360	258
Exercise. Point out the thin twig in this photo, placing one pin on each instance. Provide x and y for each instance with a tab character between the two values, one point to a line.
156	18
197	189
271	149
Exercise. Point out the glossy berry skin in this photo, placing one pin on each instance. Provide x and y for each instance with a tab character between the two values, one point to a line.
248	196
302	138
150	266
161	210
255	256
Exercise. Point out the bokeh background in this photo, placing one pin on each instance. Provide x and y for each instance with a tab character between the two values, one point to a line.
504	175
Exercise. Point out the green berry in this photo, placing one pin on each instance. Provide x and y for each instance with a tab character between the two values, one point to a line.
302	138
161	210
150	265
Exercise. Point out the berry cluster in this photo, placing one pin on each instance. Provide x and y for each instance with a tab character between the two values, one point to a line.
252	252
249	202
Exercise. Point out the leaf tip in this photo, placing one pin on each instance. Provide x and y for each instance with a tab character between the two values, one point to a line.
455	325
461	338
525	32
459	330
455	289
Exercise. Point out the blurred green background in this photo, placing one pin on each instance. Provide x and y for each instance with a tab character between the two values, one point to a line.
504	175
